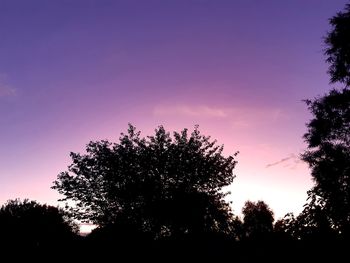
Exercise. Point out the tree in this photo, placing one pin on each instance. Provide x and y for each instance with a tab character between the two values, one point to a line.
338	47
328	137
32	225
164	185
328	155
257	220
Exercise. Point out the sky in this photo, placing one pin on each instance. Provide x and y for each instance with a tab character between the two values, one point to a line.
75	71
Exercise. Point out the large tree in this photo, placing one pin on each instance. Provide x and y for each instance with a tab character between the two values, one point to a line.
328	136
163	185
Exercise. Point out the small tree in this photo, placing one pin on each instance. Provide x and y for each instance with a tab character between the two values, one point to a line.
257	220
32	225
163	185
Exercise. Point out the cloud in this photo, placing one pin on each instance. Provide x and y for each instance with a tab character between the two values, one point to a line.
5	88
291	157
252	117
240	117
190	111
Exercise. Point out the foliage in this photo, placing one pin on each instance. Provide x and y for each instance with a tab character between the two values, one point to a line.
311	224
284	228
257	219
34	225
328	156
338	47
164	185
237	227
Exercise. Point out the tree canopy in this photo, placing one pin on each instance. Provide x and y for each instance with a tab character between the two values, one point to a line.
161	184
32	225
338	47
257	219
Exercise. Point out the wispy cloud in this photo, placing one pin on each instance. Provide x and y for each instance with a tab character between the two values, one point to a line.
191	111
239	116
248	117
292	157
5	88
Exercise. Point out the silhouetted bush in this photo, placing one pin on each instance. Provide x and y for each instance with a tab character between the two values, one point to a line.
34	227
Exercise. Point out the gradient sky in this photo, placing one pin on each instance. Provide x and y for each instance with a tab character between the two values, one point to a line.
75	71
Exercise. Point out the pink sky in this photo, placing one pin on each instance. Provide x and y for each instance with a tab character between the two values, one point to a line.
71	72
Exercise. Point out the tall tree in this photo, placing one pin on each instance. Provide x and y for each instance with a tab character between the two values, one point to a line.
163	185
328	137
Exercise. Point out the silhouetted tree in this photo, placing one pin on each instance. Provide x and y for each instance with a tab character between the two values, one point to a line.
28	224
257	220
328	156
328	139
164	185
338	47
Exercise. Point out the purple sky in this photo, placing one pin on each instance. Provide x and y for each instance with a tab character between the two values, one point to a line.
75	71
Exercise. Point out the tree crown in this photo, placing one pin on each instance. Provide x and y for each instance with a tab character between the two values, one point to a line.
160	183
338	47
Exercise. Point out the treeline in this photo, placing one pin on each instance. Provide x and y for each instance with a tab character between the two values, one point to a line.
161	196
31	230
